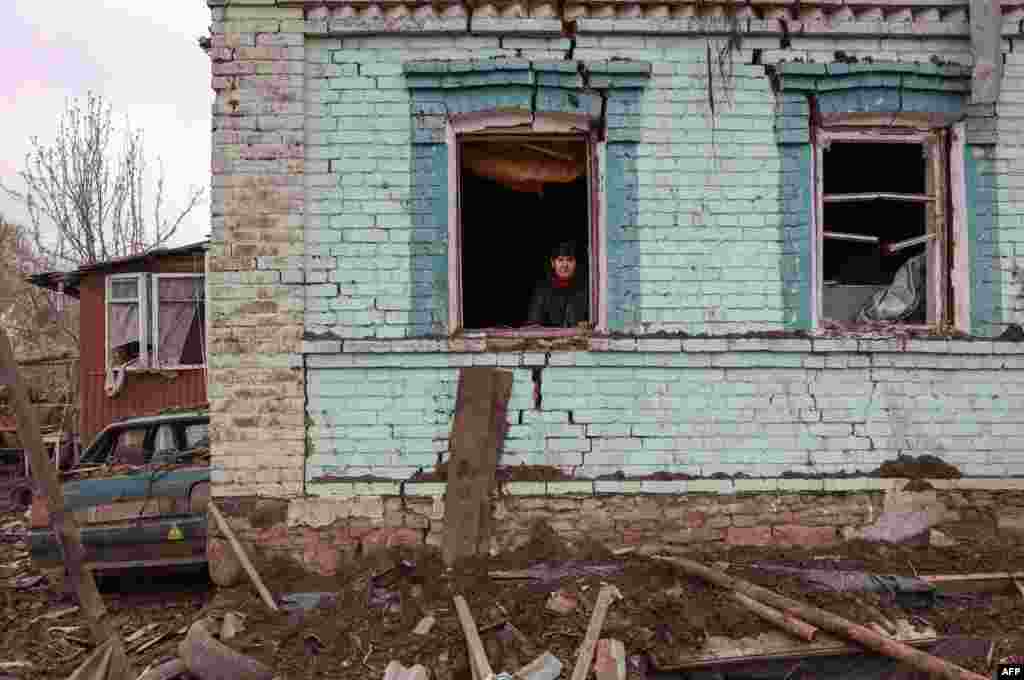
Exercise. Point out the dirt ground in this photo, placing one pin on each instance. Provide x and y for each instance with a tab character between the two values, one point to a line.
376	602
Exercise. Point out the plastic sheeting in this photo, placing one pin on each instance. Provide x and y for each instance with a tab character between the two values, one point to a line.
522	170
907	590
900	299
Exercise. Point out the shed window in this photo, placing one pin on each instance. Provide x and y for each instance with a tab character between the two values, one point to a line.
178	320
125	312
156	321
523	197
882	245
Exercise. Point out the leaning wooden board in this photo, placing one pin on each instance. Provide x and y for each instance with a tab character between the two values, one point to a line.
477	432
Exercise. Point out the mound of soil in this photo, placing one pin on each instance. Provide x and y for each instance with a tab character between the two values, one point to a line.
924	466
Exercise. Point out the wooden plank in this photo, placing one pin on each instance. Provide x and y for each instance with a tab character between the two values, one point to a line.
585	654
802	652
974	583
225	529
477	429
65	528
478	663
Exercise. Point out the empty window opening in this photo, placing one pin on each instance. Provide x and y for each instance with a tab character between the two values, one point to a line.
520	199
882	228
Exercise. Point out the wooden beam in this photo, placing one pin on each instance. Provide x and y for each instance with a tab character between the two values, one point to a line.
788	623
65	529
254	575
478	663
477	429
585	654
974	583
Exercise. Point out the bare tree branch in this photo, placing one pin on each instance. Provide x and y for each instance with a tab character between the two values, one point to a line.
86	201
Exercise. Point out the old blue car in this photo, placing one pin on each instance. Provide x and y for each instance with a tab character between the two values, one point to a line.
139	494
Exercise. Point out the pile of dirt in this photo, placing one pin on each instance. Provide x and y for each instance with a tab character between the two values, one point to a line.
369	609
925	466
503	473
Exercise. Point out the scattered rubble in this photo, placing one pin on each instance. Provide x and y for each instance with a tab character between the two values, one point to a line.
345	627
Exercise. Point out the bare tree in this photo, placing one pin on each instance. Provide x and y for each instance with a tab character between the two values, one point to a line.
87	204
39	322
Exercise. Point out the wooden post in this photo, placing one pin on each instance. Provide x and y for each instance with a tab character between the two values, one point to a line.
477	431
225	528
585	654
63	523
479	665
833	623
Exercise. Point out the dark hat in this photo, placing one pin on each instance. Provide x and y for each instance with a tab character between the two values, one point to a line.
564	249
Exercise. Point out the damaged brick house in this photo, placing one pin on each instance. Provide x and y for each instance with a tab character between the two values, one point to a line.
768	198
142	333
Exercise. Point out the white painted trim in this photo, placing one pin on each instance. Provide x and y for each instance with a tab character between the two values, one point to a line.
601	149
818	247
937	225
960	276
155	363
931	141
140	299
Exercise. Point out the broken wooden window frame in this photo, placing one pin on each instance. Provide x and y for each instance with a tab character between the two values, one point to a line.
532	126
140	299
948	301
155	320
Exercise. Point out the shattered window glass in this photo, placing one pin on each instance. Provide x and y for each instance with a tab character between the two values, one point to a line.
181	312
197	435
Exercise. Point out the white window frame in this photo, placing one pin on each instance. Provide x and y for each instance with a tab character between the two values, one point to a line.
521	122
141	295
155	294
946	221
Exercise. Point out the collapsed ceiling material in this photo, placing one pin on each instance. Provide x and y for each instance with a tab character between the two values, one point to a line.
527	165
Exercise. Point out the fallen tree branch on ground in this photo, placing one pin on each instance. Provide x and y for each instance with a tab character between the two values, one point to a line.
790	624
828	621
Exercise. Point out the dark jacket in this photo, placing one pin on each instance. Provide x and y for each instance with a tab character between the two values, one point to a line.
560	307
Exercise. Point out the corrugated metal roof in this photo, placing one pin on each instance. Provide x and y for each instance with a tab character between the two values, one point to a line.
71	279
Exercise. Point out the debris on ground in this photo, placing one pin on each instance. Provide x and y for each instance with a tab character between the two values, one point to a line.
343	627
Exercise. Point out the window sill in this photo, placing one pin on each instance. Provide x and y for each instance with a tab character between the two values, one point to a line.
161	369
538	333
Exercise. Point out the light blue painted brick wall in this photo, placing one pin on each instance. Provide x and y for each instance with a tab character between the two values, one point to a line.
705	233
699	209
750	413
694	207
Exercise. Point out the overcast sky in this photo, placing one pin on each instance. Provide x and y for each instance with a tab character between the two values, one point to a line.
142	56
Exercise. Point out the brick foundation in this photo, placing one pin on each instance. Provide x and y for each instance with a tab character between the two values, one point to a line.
320	533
